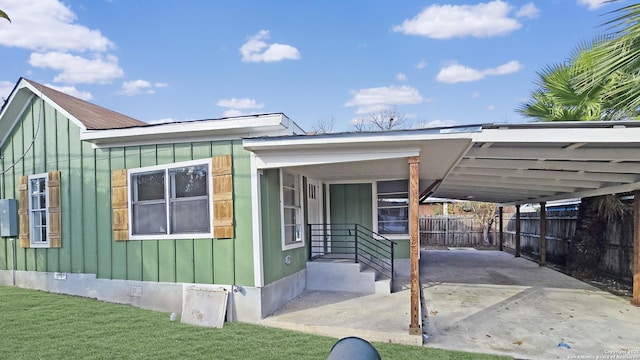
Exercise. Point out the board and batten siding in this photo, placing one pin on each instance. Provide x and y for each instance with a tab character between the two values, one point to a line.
274	264
86	212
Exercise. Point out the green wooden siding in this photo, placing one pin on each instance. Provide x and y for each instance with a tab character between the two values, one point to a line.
274	264
44	140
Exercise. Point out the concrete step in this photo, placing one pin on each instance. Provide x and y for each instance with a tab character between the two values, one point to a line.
340	276
383	286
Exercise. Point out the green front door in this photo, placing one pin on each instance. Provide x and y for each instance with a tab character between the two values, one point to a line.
351	204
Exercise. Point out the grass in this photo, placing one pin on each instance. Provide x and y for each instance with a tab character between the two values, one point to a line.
40	325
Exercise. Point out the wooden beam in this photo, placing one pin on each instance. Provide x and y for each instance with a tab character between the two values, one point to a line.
500	228
635	300
414	248
542	247
517	250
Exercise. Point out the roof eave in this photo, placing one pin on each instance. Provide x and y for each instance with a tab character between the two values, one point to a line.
228	128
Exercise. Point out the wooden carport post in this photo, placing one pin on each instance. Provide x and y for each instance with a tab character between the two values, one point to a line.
414	248
635	300
542	247
500	228
517	250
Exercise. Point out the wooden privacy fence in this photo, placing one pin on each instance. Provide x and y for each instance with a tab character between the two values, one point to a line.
561	226
456	230
466	231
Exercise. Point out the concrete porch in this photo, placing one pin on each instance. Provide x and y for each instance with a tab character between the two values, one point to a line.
478	301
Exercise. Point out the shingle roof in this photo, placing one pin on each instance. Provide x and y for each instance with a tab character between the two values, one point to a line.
92	116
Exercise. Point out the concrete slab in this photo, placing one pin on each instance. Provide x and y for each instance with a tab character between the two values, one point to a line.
373	317
492	302
480	301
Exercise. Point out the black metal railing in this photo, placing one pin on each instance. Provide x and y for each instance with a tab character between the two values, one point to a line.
352	242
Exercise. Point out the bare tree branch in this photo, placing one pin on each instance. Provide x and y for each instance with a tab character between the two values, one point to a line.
323	126
381	120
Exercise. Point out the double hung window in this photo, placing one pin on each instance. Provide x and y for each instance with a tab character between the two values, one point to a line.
291	199
171	200
38	214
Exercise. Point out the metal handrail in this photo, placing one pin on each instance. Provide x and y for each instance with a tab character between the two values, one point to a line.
352	242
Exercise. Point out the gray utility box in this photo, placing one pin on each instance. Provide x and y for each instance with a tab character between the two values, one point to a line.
8	218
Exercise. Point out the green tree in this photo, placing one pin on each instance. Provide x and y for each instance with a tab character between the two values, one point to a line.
617	61
4	15
599	82
558	97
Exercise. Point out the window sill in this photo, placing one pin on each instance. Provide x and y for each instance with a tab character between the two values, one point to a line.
171	237
292	246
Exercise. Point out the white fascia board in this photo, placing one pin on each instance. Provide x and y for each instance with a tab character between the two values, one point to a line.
260	144
560	135
171	139
304	157
16	106
73	119
20	99
255	125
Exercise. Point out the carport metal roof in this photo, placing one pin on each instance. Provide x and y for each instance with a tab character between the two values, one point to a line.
501	163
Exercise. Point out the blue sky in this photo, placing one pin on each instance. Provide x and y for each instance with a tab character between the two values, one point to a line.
439	63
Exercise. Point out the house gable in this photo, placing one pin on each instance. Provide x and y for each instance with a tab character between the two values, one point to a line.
84	115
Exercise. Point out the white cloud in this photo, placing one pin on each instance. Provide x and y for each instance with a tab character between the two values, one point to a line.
235	103
135	87
401	77
421	65
77	69
5	89
436	124
232	113
528	11
475	95
48	25
374	99
162	121
71	90
257	50
593	4
455	73
450	21
235	106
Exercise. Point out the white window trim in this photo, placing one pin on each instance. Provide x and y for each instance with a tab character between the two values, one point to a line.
47	243
300	243
167	167
374	201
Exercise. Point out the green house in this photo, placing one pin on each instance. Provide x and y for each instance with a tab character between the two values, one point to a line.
120	210
97	204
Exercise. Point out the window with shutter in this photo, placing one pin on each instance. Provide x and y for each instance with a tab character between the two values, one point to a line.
191	199
40	210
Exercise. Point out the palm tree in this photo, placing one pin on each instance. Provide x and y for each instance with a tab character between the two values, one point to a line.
617	61
4	15
559	98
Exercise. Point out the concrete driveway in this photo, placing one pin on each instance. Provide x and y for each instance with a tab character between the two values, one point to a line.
492	302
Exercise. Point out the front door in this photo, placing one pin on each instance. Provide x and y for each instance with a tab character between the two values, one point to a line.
315	213
351	204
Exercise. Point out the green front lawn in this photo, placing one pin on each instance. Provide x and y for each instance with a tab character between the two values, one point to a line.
40	325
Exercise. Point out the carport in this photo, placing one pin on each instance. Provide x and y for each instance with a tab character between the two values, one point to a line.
508	164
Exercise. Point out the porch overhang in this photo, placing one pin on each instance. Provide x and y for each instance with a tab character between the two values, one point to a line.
504	163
